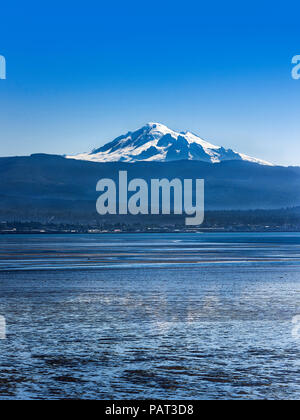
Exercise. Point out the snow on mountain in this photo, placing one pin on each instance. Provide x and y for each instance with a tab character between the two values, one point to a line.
156	142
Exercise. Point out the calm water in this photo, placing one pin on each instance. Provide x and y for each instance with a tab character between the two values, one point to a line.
179	316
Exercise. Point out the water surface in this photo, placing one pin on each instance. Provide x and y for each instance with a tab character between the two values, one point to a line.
175	316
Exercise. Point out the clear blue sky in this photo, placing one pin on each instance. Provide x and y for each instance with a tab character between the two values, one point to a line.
82	73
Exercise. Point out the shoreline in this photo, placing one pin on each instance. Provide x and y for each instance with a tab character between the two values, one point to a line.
59	232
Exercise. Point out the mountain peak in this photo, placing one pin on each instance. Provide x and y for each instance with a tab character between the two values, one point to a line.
154	125
157	142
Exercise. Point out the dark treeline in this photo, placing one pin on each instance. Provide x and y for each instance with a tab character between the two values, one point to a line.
281	217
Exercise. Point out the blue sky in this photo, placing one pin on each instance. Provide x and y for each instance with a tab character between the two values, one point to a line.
80	74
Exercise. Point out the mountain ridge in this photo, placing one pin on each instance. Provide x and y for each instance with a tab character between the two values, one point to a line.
43	186
155	142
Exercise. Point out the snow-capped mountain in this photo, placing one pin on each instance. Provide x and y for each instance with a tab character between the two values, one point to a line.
156	142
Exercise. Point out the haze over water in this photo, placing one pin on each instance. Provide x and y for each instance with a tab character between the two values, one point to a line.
176	316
